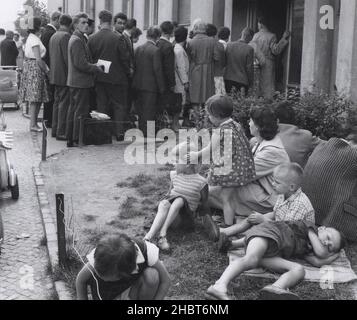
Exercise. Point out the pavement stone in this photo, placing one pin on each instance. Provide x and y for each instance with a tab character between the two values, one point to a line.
20	261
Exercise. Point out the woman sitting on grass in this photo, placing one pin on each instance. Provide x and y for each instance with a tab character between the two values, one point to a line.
188	189
123	269
270	244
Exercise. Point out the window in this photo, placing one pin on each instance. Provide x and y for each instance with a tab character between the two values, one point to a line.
182	12
109	5
151	13
128	8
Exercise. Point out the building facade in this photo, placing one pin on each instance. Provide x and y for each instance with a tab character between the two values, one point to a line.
323	50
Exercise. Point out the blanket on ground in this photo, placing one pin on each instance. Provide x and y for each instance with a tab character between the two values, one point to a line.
339	272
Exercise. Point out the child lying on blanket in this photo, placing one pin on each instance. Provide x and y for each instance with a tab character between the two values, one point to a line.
270	245
292	205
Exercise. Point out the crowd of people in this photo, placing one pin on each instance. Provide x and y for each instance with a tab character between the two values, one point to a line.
172	74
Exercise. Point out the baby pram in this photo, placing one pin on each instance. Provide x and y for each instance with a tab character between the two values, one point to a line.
9	85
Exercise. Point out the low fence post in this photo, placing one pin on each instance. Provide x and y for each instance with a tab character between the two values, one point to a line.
44	141
61	229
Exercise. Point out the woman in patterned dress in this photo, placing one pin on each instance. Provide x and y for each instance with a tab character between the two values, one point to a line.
34	82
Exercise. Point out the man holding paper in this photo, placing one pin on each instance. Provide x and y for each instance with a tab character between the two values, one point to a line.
109	49
81	72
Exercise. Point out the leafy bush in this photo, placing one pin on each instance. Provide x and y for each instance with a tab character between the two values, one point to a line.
325	115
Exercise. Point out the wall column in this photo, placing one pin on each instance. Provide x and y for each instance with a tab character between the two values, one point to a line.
346	74
317	52
228	14
166	9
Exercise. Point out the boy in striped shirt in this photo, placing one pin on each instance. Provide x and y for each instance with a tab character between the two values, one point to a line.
187	192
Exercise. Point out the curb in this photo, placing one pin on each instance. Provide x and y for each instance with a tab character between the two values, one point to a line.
48	223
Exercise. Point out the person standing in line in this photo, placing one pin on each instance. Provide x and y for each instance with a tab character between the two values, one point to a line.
112	87
202	52
148	79
81	73
46	36
58	76
34	86
267	48
2	38
239	72
8	50
168	65
219	66
20	48
182	68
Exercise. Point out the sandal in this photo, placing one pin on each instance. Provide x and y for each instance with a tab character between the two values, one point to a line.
276	293
163	244
214	294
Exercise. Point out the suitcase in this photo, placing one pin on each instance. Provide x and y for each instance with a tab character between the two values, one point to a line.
95	132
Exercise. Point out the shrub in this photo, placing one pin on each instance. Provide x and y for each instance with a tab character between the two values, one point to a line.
325	115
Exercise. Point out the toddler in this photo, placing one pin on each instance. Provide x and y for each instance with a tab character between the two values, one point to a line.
123	269
270	244
236	168
188	189
292	204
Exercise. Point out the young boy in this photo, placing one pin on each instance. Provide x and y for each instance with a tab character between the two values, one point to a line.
270	244
292	204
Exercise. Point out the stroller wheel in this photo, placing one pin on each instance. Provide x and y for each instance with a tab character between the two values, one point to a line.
15	192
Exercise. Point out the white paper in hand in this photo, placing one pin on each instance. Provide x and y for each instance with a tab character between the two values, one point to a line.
106	64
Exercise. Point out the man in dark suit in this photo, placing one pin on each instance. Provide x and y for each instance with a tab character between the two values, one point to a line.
168	66
47	34
239	72
58	76
81	73
9	50
148	79
112	87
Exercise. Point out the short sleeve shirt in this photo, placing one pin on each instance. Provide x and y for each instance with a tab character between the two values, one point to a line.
296	208
33	41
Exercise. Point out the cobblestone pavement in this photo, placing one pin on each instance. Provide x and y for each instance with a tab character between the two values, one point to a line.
24	263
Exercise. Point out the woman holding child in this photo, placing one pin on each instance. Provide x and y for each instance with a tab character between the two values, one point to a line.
268	153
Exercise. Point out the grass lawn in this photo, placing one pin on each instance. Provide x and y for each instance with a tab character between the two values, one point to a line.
194	262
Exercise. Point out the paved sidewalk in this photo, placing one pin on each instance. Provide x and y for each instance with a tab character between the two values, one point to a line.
23	262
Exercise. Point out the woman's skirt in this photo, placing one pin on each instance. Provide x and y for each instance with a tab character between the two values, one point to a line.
34	85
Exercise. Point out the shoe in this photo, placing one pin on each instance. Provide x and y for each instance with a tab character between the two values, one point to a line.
163	244
275	293
211	228
214	294
224	243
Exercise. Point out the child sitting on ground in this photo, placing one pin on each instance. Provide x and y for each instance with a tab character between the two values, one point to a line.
123	269
188	189
233	163
270	244
292	204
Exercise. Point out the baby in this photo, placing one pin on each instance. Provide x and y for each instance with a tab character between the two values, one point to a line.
270	245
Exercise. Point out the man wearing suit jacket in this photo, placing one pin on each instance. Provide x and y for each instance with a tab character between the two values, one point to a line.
111	88
239	72
58	76
298	143
148	79
46	36
168	65
81	73
9	50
